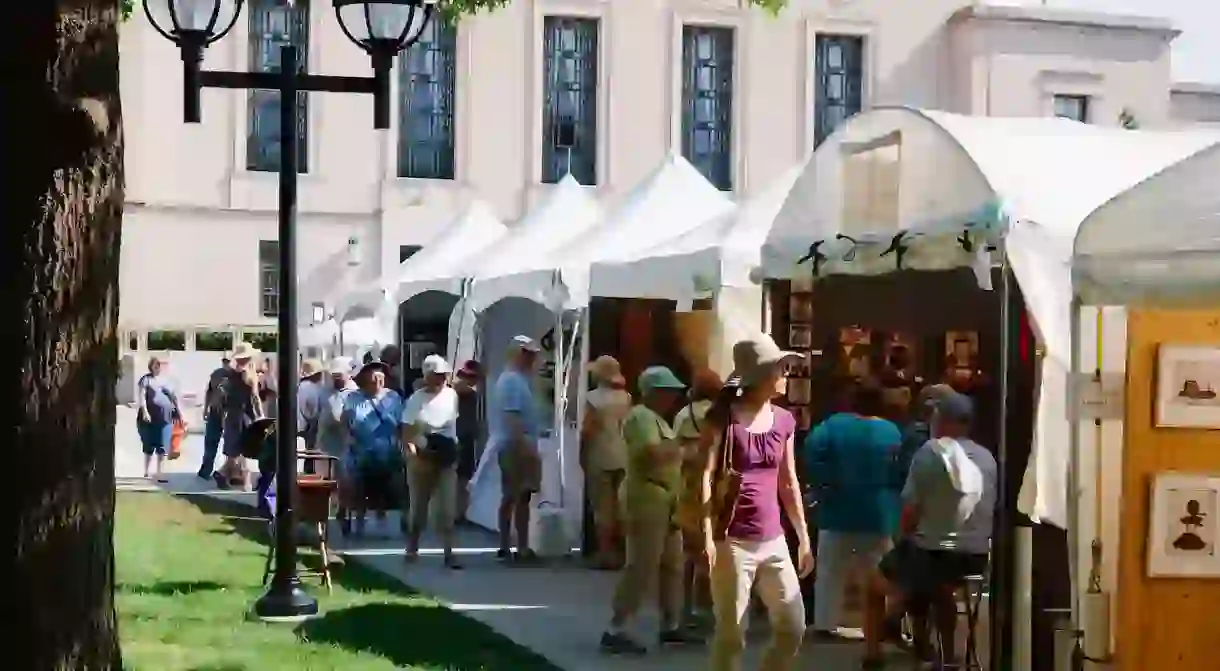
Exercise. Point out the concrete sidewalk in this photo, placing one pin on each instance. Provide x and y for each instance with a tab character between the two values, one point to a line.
558	610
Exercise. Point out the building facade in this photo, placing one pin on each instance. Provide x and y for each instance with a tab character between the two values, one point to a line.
502	104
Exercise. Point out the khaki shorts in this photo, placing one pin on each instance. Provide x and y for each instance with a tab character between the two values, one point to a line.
520	471
603	487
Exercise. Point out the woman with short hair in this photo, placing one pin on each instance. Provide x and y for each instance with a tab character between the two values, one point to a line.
157	411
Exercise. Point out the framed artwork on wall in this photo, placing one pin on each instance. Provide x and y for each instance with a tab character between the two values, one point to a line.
1188	387
1182	535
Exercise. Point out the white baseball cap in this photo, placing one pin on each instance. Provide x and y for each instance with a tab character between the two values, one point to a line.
435	364
526	343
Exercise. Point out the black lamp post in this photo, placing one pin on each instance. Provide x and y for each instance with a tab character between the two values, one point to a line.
382	28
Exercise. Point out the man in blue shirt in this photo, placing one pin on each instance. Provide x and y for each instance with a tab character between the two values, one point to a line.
514	429
851	459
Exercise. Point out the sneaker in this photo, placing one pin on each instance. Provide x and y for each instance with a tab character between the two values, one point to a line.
621	644
679	636
504	554
452	563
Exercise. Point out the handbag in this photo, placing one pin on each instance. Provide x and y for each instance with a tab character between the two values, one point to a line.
175	441
726	488
440	450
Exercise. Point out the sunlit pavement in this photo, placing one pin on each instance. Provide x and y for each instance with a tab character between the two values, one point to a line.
558	610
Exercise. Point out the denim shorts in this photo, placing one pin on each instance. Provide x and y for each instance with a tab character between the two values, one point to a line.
155	438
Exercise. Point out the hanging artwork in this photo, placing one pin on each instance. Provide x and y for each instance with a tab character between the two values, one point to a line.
1188	387
1182	538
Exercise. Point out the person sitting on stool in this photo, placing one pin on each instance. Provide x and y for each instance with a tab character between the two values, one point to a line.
950	500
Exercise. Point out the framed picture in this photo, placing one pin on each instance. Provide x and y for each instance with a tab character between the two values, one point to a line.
1182	538
802	417
802	284
800	336
802	367
800	390
1188	387
800	308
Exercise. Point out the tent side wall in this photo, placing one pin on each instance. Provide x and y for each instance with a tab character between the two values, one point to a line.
1162	623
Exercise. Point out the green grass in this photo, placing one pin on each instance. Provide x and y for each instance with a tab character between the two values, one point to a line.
188	571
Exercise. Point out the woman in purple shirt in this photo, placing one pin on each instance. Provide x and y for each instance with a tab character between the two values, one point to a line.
750	472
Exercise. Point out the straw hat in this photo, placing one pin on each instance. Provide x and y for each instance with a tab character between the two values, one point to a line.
245	350
606	369
310	368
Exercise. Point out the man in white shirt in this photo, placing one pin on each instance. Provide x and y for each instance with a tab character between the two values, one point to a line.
429	435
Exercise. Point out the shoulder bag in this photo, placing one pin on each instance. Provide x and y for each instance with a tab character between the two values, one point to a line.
726	487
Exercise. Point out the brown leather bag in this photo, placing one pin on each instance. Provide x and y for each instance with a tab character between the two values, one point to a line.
726	488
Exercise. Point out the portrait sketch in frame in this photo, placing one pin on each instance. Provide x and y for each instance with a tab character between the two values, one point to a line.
1188	387
800	390
800	336
1183	540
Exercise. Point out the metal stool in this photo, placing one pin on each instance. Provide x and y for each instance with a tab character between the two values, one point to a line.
969	599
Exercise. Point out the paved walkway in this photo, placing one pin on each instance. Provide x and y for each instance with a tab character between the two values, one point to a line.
558	611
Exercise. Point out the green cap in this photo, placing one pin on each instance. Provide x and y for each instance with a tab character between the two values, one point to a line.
659	377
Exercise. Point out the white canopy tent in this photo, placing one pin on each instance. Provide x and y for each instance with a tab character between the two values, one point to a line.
672	200
905	188
943	186
716	258
434	268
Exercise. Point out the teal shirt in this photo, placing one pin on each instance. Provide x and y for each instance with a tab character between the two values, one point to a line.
852	462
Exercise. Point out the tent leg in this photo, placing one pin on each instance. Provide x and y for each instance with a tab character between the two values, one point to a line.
1073	480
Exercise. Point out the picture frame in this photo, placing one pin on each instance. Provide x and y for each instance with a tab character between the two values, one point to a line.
802	284
800	308
1183	538
1188	387
800	336
800	390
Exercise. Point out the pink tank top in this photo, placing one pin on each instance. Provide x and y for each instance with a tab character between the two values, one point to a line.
758	457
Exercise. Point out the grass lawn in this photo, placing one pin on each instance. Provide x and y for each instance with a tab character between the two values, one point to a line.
189	570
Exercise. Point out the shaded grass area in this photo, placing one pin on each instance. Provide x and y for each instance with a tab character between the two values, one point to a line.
189	570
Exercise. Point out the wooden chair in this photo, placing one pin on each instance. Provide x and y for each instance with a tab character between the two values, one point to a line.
312	506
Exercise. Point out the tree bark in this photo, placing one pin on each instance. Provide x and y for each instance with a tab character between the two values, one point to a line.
62	219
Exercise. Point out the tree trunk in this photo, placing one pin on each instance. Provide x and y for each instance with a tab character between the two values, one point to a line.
62	216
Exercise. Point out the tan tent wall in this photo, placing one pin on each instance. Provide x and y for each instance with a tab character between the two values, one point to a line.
1162	623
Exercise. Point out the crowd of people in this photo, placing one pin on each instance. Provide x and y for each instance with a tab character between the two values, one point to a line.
699	492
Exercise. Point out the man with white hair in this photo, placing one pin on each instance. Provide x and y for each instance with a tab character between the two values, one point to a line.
514	428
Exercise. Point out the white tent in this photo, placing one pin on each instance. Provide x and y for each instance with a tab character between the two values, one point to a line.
522	263
1117	261
434	267
1071	208
672	200
942	187
716	258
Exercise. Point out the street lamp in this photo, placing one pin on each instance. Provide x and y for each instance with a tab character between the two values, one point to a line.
382	28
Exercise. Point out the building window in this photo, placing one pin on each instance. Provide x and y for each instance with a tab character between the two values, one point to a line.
427	81
839	82
707	102
269	277
275	23
1075	108
213	341
407	251
569	106
167	341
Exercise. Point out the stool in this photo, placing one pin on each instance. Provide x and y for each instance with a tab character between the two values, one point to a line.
970	591
312	509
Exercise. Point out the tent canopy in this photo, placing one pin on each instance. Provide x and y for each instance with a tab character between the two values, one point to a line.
940	188
438	266
1117	262
518	264
719	252
673	200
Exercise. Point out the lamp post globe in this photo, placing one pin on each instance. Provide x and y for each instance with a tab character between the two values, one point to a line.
192	22
383	27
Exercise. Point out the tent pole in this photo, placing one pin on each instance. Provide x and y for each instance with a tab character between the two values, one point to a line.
1065	658
1002	542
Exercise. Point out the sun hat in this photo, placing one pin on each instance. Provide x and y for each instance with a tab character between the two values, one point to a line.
756	356
435	364
310	368
526	343
606	369
470	370
659	377
244	350
340	365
